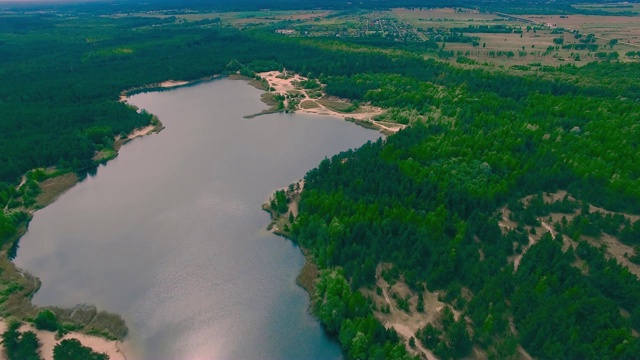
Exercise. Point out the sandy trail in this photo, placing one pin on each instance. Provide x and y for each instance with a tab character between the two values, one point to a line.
532	240
22	182
518	259
406	333
546	226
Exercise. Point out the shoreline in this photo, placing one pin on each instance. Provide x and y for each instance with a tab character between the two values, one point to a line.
279	225
18	304
288	86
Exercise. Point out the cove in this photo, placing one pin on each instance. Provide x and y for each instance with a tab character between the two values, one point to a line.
171	236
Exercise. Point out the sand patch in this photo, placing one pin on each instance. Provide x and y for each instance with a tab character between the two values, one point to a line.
48	340
406	324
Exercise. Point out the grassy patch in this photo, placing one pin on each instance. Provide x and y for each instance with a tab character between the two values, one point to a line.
339	106
365	124
54	187
16	289
308	104
269	99
87	319
308	274
258	84
105	155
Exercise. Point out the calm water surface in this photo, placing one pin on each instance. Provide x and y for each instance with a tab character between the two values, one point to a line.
171	235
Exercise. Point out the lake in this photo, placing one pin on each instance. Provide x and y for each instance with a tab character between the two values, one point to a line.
171	234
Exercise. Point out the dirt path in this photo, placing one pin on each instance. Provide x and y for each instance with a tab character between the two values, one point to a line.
546	226
508	225
532	241
406	333
22	182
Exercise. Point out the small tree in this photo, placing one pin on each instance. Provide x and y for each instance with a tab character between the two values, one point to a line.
420	305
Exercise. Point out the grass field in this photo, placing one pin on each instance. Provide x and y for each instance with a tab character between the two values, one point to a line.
613	8
626	29
240	19
339	106
420	18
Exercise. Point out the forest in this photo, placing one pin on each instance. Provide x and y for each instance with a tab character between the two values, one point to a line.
425	202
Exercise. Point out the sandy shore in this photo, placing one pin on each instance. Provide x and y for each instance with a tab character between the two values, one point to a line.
287	83
173	83
141	132
48	340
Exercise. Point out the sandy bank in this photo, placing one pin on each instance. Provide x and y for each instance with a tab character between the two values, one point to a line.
112	348
141	132
173	83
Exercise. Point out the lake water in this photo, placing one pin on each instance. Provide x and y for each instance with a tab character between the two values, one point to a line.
171	234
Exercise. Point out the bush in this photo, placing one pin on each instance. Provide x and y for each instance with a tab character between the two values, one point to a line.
72	349
46	320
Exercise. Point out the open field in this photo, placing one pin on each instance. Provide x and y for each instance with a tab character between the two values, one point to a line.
612	8
419	18
626	29
241	19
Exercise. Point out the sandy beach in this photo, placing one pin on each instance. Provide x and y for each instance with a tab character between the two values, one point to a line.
173	83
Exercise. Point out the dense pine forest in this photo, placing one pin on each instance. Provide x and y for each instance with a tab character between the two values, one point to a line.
444	206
